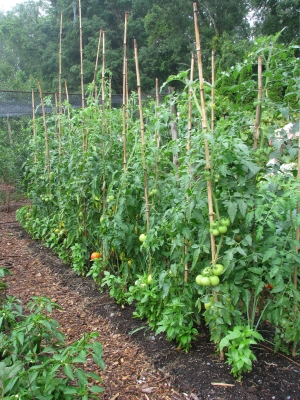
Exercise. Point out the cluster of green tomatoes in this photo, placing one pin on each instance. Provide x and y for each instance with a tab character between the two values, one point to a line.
210	275
219	227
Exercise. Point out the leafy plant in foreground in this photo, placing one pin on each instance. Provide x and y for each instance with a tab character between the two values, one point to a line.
239	354
36	363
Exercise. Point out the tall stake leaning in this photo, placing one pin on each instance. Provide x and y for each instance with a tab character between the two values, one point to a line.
204	129
96	64
142	135
59	85
124	105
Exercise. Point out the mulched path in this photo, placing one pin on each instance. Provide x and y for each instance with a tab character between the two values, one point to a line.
138	365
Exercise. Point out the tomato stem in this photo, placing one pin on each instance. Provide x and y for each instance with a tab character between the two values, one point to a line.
218	248
215	201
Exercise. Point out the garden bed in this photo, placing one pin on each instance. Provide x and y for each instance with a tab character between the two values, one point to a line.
139	365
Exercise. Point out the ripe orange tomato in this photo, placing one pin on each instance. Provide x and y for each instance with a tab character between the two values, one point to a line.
95	255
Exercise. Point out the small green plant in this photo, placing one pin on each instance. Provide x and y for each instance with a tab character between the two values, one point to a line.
116	285
177	324
239	354
36	363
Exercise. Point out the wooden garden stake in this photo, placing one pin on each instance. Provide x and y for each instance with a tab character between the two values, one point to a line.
33	125
81	55
204	129
59	63
157	133
84	132
47	154
103	83
124	105
173	123
59	85
142	127
258	107
96	63
190	107
188	147
212	92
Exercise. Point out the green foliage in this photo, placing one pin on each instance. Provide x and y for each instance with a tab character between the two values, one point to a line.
14	144
272	16
84	201
239	355
35	362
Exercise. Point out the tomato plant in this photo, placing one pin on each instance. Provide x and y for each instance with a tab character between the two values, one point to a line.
177	250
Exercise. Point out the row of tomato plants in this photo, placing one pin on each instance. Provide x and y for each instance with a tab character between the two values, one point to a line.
84	202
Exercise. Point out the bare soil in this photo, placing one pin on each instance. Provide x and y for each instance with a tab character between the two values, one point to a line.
139	365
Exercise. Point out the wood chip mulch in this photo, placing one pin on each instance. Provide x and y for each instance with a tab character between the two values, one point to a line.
129	373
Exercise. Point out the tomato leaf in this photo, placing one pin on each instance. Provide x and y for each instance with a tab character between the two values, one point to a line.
232	210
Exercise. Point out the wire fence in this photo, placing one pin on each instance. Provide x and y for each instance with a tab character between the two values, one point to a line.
19	103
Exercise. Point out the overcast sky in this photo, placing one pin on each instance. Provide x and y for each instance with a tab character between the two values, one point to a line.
7	5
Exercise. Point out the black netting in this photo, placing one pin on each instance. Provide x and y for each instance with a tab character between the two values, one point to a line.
17	103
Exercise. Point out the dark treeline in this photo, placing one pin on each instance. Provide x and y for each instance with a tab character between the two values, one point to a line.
29	37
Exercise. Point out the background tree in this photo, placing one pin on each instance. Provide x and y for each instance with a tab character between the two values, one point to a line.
272	16
29	37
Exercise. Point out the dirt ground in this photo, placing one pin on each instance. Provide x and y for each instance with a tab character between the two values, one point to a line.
138	365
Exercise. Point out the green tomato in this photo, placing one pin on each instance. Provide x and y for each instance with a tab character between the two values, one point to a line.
222	229
199	279
110	198
214	224
206	271
214	280
225	221
142	237
217	269
207	305
216	232
153	192
205	281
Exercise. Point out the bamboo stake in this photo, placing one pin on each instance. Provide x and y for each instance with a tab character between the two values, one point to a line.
258	107
142	127
212	92
127	93
124	95
69	116
103	82
157	133
67	98
96	63
173	123
47	154
81	55
188	147
190	106
103	133
33	125
204	129
59	63
59	85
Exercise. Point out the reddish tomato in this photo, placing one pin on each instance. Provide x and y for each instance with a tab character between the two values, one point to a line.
268	286
95	255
